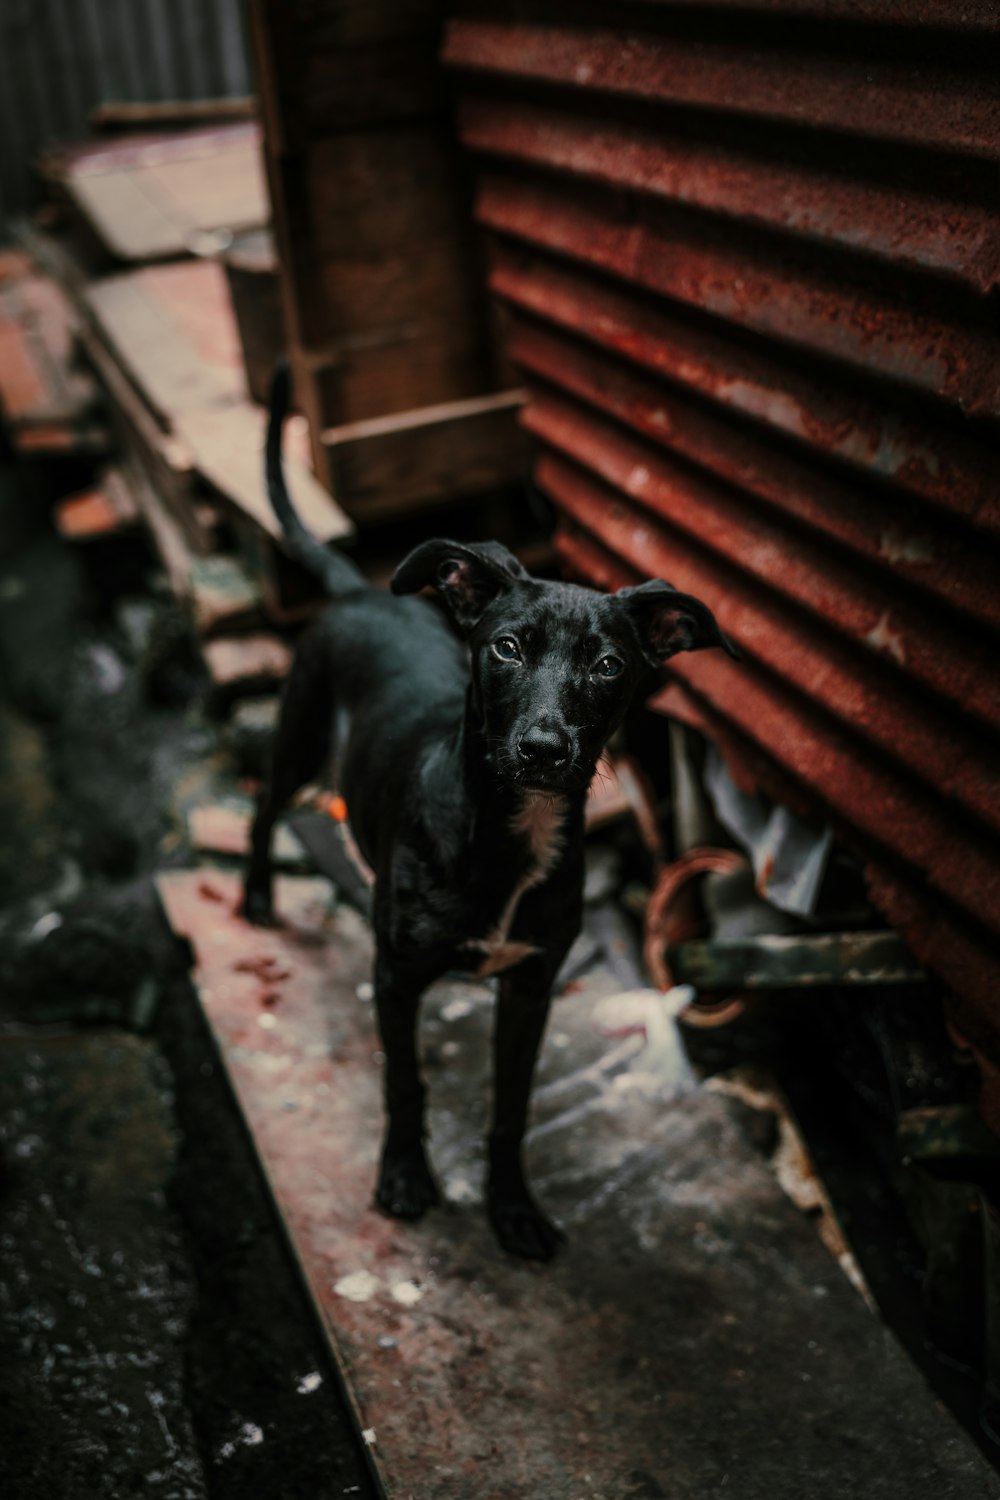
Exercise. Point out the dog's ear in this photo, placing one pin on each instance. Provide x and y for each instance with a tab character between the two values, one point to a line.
668	622
468	576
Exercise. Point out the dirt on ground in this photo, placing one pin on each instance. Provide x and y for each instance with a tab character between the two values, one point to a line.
157	1339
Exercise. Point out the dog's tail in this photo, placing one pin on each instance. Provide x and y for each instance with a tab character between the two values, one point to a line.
336	572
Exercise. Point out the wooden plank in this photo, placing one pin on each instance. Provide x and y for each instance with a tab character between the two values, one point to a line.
144	317
227	446
101	511
254	283
132	114
39	386
168	537
250	663
131	224
382	287
166	194
173	330
395	368
799	961
165	462
23	390
386	464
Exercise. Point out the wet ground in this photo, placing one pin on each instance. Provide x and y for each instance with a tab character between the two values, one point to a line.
156	1337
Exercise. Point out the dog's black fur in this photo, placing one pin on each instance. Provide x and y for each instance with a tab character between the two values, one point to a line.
464	752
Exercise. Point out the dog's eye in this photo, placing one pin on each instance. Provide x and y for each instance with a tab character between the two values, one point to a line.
507	649
608	666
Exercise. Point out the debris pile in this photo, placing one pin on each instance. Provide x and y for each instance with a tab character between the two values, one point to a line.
121	350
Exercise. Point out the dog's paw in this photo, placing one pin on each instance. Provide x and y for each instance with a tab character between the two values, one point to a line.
406	1188
524	1230
256	908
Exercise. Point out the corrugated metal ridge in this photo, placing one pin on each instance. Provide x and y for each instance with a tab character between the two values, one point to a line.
945	752
930	460
967	964
933	650
971	15
755	286
904	228
939	936
948	564
918	105
858	790
751	281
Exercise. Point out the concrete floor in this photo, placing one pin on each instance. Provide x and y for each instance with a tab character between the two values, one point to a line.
695	1336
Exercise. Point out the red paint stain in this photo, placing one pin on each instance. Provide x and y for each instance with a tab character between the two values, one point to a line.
265	968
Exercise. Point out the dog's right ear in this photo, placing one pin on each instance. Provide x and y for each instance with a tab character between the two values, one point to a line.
468	576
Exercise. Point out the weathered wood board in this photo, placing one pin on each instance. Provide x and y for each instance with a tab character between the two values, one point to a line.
166	194
171	330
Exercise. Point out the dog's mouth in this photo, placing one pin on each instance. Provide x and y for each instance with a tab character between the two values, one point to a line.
553	781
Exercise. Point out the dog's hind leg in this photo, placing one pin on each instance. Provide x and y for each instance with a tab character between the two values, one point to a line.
406	1186
301	749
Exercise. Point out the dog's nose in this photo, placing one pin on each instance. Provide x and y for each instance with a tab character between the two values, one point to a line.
544	746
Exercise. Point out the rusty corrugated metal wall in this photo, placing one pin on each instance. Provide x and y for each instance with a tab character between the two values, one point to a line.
60	58
749	258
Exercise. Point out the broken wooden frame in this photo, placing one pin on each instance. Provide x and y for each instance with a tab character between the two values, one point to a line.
792	962
382	283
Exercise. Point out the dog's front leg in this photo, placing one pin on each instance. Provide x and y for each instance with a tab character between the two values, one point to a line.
522	1010
406	1186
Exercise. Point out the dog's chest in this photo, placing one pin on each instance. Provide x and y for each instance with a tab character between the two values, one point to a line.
538	827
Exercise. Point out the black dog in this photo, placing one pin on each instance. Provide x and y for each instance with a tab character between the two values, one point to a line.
464	755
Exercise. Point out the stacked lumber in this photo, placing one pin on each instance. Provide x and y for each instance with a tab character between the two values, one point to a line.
48	406
154	285
107	308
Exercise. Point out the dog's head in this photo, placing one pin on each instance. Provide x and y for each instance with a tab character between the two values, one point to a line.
554	665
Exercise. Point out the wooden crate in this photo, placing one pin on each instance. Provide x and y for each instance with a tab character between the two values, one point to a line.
382	281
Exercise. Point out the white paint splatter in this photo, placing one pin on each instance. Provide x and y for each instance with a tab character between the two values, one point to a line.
357	1286
249	1436
49	923
309	1383
406	1293
369	1436
455	1010
459	1189
884	638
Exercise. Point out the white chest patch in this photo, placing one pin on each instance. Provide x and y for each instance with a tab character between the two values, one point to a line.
539	822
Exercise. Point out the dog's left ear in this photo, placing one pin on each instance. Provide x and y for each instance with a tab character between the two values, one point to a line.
468	576
667	621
